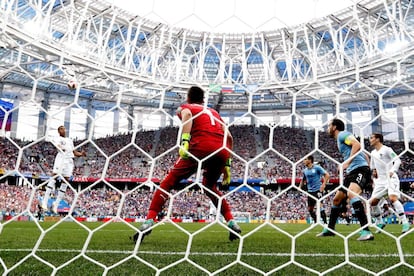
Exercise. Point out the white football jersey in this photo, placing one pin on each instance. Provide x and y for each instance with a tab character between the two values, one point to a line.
385	160
66	147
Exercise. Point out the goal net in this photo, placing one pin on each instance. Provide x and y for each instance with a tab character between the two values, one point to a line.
114	81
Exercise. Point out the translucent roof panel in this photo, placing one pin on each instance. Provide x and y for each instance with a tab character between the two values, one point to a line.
233	16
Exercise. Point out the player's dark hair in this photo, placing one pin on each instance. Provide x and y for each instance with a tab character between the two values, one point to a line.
310	157
338	123
195	95
379	136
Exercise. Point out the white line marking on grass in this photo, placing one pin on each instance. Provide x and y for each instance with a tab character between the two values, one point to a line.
204	253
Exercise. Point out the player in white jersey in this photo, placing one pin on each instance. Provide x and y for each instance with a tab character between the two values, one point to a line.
62	166
212	211
384	166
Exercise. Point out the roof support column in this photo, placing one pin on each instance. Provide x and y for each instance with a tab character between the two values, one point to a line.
131	115
140	116
91	116
348	125
115	127
376	126
67	124
163	120
231	116
42	120
400	121
173	113
325	119
15	118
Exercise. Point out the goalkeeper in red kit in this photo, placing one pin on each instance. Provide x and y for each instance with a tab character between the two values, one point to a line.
203	138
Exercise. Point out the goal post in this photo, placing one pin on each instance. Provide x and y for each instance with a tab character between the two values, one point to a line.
242	217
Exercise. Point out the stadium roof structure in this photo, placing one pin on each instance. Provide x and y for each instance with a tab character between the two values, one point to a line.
232	16
359	54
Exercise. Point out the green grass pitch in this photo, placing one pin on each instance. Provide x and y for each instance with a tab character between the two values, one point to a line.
69	248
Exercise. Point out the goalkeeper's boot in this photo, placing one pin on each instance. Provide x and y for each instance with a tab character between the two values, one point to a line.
236	228
366	236
325	233
146	228
380	226
405	227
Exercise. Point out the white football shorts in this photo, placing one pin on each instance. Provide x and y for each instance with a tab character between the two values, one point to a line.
63	166
386	186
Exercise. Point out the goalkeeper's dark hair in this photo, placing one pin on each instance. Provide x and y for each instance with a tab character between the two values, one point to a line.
195	95
338	123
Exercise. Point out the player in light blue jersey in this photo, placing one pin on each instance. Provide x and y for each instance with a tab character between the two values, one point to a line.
357	178
312	175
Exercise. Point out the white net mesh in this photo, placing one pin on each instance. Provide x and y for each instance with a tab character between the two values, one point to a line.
114	80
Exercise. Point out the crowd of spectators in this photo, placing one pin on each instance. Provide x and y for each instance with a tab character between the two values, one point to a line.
186	204
259	152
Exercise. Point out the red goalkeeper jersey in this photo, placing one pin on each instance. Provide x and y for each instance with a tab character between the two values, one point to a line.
207	133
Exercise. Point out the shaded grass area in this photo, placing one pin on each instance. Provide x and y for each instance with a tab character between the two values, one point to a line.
69	248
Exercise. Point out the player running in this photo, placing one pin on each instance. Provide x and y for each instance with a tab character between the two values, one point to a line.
312	175
384	165
357	178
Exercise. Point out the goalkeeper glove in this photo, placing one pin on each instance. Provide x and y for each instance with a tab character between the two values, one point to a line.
227	173
185	144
